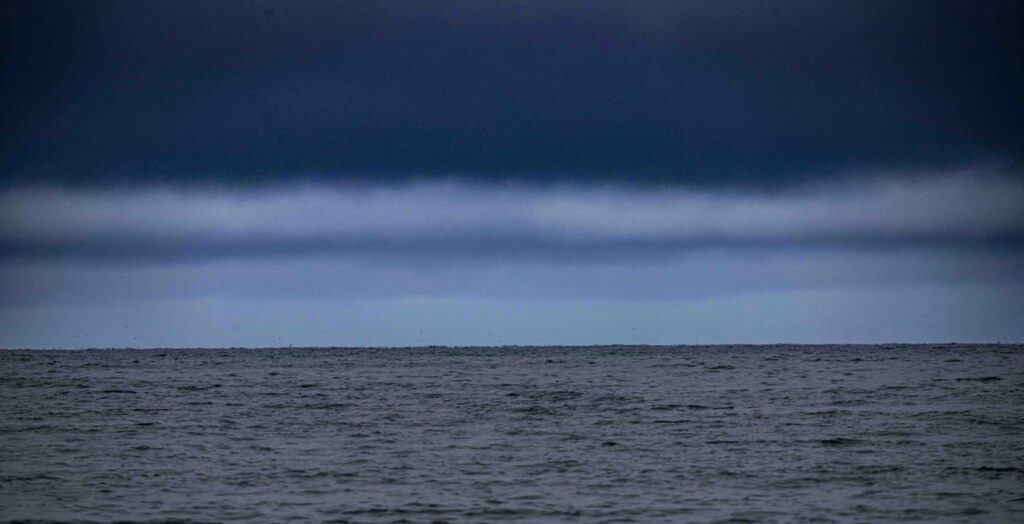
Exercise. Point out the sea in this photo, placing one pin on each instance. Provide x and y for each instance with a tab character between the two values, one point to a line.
890	433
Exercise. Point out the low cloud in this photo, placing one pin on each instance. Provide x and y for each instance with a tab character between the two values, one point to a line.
925	256
454	220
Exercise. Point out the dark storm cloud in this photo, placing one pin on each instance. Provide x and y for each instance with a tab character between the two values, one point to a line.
689	92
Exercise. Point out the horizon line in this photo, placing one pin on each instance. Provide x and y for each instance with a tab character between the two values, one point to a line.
884	345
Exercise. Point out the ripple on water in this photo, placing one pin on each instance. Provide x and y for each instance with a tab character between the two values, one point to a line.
704	434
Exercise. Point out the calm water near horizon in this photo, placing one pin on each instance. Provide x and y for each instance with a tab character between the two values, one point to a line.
591	434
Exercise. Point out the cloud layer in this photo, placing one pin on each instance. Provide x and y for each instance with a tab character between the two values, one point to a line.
698	93
912	256
382	172
454	220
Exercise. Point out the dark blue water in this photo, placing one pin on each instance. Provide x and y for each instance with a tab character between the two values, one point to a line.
732	434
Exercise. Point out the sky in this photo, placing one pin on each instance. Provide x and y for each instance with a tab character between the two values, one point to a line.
181	174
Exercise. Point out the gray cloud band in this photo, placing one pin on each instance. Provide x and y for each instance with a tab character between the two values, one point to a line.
962	209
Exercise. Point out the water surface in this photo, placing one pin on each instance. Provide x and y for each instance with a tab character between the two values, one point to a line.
601	434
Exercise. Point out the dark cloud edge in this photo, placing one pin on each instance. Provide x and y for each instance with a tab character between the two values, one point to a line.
752	177
420	248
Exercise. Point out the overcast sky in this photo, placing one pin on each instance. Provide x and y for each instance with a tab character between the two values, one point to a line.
398	173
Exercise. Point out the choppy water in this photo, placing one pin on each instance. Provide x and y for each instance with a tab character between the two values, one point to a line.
822	434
